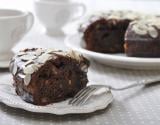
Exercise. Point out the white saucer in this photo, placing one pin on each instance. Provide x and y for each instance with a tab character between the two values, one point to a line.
75	42
98	102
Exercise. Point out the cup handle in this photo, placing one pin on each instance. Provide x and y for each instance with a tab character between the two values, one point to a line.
83	11
30	21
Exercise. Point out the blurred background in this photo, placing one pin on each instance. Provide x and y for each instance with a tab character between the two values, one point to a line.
149	6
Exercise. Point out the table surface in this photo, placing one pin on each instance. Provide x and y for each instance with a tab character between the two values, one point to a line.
139	105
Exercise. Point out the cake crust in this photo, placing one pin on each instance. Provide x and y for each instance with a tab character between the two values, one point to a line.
132	33
43	76
104	32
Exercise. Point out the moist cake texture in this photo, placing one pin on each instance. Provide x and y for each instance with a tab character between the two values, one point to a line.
44	76
104	32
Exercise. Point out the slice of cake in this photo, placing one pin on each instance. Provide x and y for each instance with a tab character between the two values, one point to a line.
142	38
44	76
104	32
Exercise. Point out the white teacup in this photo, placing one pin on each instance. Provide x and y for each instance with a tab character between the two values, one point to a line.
14	24
54	14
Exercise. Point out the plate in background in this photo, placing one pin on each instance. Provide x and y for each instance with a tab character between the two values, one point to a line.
76	42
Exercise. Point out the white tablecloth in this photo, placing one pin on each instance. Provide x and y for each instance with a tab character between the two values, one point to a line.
139	105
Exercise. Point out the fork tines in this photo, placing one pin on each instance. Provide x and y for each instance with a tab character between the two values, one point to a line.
81	96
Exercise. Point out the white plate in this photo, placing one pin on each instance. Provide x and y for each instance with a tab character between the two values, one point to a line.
76	42
9	97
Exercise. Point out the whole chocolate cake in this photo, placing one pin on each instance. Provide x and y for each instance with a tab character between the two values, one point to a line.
44	76
142	38
104	32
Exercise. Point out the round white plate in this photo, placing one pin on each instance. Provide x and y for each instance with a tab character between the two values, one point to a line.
9	97
76	42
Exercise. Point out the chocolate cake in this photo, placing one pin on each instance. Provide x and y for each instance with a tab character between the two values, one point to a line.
142	38
44	76
104	32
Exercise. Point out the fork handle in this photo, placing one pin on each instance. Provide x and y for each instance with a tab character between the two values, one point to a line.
138	83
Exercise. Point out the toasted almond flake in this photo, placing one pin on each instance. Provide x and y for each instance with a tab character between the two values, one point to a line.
27	79
133	23
21	76
44	57
28	57
139	31
14	69
131	16
143	27
28	62
29	69
109	15
50	50
153	32
38	52
74	55
156	24
35	67
113	17
21	53
61	53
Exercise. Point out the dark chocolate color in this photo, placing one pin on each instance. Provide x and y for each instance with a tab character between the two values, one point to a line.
56	80
141	45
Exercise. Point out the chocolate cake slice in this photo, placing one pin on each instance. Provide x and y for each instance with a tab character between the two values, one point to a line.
44	76
104	32
142	38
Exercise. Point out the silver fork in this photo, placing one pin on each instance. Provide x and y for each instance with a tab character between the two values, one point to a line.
83	95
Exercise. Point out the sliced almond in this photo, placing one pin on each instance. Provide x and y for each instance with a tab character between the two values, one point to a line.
35	67
74	55
44	57
13	68
28	57
113	17
139	31
38	52
143	27
131	16
29	69
28	62
22	76
27	79
50	50
21	53
61	53
153	32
